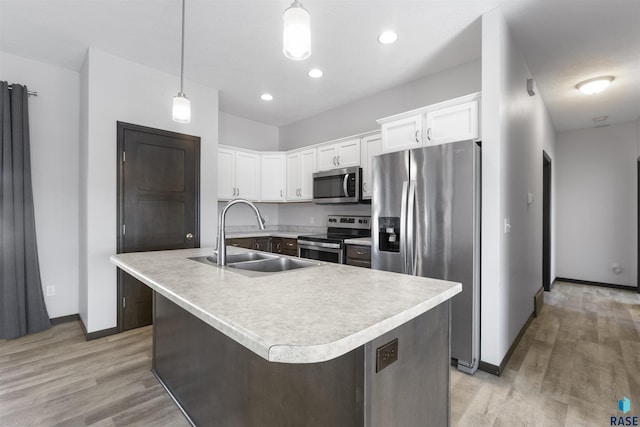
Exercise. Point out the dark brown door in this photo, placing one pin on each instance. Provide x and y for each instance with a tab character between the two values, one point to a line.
158	205
546	221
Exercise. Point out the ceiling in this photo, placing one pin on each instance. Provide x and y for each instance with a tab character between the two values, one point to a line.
236	47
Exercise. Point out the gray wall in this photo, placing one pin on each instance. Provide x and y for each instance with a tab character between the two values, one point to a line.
240	132
360	116
597	202
516	128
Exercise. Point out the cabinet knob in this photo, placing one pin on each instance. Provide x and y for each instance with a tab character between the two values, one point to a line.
189	236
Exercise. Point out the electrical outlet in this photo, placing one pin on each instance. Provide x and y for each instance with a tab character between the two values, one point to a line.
386	355
50	290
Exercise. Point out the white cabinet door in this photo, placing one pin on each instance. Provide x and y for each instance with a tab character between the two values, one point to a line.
247	175
307	169
370	147
300	168
402	134
272	177
327	157
226	174
293	177
451	124
348	153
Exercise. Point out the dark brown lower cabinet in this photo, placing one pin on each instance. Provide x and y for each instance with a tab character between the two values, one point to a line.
276	245
359	256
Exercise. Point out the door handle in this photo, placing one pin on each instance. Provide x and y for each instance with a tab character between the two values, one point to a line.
411	256
403	226
189	236
344	185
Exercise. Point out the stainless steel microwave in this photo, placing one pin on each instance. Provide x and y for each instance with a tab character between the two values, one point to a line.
338	186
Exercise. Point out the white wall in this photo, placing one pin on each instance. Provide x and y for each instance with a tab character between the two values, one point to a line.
597	203
240	132
120	90
360	116
53	123
515	130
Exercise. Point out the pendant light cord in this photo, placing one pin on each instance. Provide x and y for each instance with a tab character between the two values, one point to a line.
182	55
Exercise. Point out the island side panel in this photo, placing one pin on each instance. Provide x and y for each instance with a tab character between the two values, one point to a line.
219	382
415	389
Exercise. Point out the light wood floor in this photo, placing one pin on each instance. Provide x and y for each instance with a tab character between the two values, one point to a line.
572	365
574	362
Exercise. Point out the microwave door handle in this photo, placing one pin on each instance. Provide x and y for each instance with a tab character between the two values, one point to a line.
345	183
411	238
403	227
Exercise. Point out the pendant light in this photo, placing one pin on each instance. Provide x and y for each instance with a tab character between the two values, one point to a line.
297	32
181	104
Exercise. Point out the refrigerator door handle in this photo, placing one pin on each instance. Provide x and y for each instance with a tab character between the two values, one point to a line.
411	237
403	227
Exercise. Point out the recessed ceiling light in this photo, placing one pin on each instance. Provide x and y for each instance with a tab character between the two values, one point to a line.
595	85
315	73
387	37
266	97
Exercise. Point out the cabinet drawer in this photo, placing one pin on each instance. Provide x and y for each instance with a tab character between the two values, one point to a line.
359	263
361	253
262	244
245	242
290	247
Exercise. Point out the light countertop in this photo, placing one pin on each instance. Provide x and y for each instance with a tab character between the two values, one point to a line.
306	315
259	233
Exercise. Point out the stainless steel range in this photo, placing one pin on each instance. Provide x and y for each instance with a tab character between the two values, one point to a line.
330	247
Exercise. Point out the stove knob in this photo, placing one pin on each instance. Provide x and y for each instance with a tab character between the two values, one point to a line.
360	221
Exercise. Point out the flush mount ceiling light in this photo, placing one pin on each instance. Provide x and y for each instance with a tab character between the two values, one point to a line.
315	73
266	97
181	104
387	37
595	85
296	39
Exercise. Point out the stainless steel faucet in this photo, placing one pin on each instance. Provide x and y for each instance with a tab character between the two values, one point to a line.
222	247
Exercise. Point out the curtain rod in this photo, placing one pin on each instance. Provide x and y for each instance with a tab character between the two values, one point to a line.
29	92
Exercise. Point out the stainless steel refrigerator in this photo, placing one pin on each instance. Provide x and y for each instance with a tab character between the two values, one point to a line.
426	222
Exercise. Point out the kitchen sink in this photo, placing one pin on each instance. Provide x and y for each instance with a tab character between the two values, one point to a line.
257	264
247	256
273	265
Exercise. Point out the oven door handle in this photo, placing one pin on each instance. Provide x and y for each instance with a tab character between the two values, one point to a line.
310	244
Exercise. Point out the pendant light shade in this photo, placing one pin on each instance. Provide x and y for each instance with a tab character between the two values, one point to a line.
181	109
297	32
181	104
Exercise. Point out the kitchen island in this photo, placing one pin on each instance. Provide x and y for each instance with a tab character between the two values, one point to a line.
324	345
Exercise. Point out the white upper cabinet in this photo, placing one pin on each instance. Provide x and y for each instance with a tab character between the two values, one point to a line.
238	175
449	121
226	174
339	155
402	134
370	147
272	173
300	168
451	124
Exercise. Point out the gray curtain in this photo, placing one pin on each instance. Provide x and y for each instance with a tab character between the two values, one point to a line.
22	308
